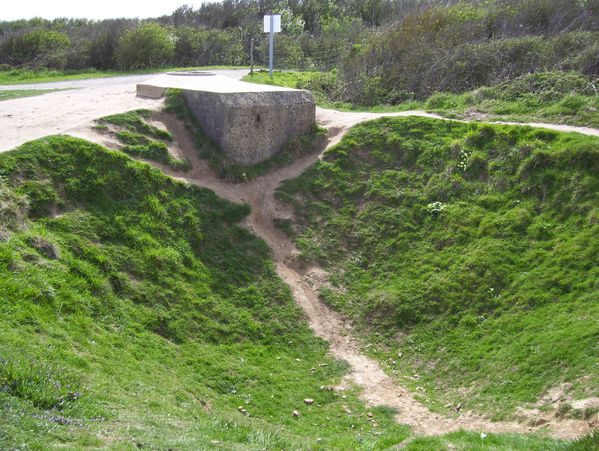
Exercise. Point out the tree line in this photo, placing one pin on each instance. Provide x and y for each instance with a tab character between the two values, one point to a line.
383	50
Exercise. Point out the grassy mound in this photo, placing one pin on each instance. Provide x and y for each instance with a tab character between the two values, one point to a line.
135	312
141	139
560	97
466	254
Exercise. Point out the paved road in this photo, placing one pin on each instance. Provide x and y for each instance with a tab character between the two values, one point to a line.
109	81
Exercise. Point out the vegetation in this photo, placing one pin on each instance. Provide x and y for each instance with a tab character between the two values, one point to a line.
150	45
296	147
137	137
464	253
560	97
18	93
136	312
385	51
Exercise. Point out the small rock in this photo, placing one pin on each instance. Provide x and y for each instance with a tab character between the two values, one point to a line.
369	415
318	440
297	360
295	413
538	422
346	410
458	407
308	401
400	354
448	406
483	435
313	370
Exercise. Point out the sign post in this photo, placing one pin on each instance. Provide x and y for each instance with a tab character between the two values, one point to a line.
272	25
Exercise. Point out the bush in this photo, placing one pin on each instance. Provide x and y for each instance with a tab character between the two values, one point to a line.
150	45
37	48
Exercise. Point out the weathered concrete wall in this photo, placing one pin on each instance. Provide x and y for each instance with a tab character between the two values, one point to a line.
251	127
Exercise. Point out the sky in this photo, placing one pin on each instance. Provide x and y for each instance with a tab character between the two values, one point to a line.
90	9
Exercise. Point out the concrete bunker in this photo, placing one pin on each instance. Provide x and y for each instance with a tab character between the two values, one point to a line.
249	122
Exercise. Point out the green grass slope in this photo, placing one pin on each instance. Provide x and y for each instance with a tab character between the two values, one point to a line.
466	254
136	312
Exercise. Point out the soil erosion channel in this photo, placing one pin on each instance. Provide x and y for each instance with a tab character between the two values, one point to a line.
377	387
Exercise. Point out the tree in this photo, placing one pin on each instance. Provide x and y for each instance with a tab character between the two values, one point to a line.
149	45
37	48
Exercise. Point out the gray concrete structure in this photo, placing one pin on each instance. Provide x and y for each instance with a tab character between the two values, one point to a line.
249	122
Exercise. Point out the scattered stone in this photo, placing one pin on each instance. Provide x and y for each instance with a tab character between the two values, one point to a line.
483	435
448	406
297	360
326	388
295	413
400	354
243	411
346	410
369	414
458	407
318	440
313	370
308	401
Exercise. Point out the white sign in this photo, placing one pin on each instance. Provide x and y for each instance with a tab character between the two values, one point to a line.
276	21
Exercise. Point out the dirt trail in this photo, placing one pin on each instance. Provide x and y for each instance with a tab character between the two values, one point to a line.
378	387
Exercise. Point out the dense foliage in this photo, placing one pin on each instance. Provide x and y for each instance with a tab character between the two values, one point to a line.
386	50
469	249
136	312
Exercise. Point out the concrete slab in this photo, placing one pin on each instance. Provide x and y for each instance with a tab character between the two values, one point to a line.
200	81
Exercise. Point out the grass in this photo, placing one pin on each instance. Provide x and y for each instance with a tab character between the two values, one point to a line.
553	97
307	143
463	253
141	139
25	76
137	313
19	93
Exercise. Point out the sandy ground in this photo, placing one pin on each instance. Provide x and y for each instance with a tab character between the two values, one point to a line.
69	112
73	112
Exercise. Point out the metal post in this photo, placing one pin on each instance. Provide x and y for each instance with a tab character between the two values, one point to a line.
271	41
252	57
